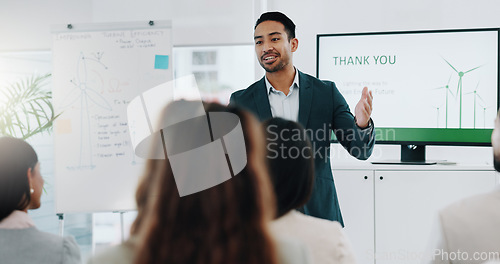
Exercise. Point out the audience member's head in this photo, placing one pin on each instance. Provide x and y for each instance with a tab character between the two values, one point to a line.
20	181
226	223
495	142
291	164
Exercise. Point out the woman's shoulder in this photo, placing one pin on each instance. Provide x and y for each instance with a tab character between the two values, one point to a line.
32	234
319	221
291	251
66	245
71	250
44	247
298	219
324	238
123	254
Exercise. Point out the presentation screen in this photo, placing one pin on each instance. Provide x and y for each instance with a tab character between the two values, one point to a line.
431	87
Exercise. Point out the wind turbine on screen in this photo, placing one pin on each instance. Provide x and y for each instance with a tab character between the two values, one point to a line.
447	88
476	95
437	110
459	87
484	107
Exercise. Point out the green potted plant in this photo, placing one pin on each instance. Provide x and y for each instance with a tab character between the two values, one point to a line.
26	107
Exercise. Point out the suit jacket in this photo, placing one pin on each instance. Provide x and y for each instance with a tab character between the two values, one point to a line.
29	245
321	109
470	230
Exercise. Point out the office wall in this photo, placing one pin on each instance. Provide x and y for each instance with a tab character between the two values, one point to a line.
194	22
25	24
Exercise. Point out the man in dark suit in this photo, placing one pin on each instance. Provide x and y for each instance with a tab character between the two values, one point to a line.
317	105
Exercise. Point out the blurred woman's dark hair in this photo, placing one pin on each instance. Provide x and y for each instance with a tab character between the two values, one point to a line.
227	223
16	157
291	164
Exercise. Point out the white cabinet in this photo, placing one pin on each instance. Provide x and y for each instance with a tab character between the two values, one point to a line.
355	192
406	207
390	215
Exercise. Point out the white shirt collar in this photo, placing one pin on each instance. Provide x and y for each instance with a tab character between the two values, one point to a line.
295	83
17	220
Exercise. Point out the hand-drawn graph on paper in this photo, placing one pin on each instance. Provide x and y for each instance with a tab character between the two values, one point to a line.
83	95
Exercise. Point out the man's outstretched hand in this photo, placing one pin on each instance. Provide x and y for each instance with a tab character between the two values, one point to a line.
363	109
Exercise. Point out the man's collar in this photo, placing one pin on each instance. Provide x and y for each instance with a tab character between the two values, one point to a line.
294	84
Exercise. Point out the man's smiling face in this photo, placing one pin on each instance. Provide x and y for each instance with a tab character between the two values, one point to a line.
272	47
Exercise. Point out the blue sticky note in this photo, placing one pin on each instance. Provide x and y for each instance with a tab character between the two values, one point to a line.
161	62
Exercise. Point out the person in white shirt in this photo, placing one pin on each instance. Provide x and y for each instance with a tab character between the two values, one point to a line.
469	230
21	186
289	154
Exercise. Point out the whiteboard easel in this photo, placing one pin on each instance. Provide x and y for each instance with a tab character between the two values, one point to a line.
97	70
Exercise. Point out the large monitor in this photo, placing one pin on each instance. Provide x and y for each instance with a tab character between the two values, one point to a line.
429	87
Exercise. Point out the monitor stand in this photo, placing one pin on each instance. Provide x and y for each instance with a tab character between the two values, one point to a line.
410	155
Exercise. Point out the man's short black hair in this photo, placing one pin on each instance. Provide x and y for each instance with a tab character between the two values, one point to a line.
278	17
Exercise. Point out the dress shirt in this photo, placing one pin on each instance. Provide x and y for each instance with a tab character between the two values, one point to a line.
285	106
